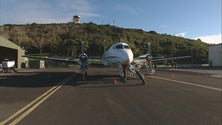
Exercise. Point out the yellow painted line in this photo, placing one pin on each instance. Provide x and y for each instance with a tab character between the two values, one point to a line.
35	104
189	83
27	106
33	107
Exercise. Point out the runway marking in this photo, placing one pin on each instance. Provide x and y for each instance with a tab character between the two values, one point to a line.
34	104
189	83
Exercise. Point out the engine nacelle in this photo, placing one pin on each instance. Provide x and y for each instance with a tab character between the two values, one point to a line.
83	57
148	58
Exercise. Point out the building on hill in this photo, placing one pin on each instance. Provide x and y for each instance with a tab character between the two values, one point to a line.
11	51
76	19
215	55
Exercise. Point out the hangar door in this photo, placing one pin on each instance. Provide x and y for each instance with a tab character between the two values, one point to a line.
8	53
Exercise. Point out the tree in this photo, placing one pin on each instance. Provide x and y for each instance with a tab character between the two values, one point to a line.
65	40
70	46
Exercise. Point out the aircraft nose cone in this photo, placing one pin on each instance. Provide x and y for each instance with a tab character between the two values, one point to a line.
127	59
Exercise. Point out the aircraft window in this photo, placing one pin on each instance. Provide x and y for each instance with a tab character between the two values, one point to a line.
126	47
119	46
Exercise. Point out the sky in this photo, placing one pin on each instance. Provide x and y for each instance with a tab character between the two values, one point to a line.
191	19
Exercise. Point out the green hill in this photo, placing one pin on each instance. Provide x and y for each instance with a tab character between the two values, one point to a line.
65	40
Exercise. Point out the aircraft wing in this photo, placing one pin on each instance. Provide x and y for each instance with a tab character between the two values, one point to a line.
49	58
169	59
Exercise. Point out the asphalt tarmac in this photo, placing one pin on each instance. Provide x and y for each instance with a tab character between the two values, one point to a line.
60	97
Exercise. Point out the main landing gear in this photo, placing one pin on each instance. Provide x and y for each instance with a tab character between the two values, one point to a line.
84	65
132	69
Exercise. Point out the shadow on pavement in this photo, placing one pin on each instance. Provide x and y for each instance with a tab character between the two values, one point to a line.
38	79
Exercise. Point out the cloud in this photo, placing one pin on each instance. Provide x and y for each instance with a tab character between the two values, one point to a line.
212	39
76	5
181	34
163	26
41	11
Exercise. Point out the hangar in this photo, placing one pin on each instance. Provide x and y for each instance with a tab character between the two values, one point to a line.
11	51
215	55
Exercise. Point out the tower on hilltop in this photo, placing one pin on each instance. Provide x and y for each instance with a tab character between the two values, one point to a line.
76	19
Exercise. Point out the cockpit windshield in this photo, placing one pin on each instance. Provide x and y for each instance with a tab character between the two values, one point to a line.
122	47
119	46
126	47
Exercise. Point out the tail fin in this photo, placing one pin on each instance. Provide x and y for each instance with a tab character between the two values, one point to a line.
148	48
104	46
82	47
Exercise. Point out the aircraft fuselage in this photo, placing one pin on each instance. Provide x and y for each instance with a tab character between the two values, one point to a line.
118	54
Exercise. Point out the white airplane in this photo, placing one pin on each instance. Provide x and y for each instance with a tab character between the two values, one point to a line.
119	54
